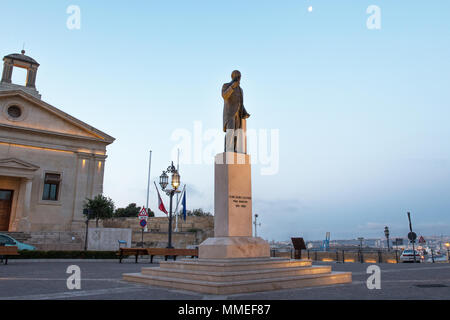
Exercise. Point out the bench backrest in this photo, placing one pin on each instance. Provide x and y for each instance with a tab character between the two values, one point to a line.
7	250
133	250
175	252
159	251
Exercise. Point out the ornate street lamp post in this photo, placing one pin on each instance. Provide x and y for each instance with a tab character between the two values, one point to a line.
386	233
163	182
256	224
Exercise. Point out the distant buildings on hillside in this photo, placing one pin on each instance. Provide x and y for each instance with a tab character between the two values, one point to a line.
436	243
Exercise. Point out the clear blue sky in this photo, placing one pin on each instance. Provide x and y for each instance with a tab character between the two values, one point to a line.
363	114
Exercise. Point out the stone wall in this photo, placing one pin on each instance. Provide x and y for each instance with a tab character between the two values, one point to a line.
57	240
192	232
107	239
160	224
180	240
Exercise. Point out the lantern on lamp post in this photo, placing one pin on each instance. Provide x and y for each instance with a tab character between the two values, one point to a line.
164	180
175	183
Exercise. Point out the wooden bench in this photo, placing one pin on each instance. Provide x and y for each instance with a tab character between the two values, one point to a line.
6	251
166	252
125	252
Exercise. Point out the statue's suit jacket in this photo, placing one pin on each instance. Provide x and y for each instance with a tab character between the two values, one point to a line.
233	109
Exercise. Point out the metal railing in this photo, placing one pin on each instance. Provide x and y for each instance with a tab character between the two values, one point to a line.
364	255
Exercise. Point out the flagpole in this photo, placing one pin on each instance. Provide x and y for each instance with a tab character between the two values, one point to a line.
178	169
178	202
148	182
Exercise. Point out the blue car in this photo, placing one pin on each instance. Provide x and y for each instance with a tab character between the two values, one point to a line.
6	240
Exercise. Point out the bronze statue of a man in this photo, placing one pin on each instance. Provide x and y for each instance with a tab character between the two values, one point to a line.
233	113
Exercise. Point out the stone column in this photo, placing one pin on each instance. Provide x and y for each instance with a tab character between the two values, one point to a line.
91	176
24	224
31	77
7	72
99	167
81	186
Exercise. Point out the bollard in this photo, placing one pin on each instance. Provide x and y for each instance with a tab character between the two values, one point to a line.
308	253
432	255
343	257
379	256
337	256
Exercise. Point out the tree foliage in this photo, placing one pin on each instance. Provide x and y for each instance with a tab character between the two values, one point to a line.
198	213
100	207
131	211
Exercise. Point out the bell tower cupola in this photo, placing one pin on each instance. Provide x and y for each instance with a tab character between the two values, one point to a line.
20	60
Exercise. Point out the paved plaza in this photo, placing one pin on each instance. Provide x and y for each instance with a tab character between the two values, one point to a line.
103	280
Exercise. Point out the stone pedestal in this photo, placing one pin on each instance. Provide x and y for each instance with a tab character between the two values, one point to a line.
233	212
233	247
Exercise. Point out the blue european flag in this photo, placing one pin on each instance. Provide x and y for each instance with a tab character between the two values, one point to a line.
184	205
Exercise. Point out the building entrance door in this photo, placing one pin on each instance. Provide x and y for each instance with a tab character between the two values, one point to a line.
6	197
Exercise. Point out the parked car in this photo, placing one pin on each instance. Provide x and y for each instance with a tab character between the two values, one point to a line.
6	240
408	256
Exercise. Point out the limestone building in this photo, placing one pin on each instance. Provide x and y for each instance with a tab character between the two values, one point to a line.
50	162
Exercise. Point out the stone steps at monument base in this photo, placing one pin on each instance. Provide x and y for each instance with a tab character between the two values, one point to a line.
233	265
236	276
211	287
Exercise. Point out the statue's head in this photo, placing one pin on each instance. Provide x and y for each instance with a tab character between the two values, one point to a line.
236	75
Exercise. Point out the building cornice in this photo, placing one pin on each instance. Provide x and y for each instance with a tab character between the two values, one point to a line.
51	133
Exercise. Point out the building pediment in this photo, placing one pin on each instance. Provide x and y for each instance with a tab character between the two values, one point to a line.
14	167
17	164
34	115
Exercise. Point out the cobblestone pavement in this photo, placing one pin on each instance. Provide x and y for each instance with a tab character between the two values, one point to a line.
103	280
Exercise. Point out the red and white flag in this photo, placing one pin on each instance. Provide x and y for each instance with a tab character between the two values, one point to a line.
160	202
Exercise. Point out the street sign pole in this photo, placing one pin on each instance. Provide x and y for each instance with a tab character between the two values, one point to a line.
148	181
176	213
143	215
412	238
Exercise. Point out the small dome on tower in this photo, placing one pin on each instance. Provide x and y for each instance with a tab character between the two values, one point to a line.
21	57
20	60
